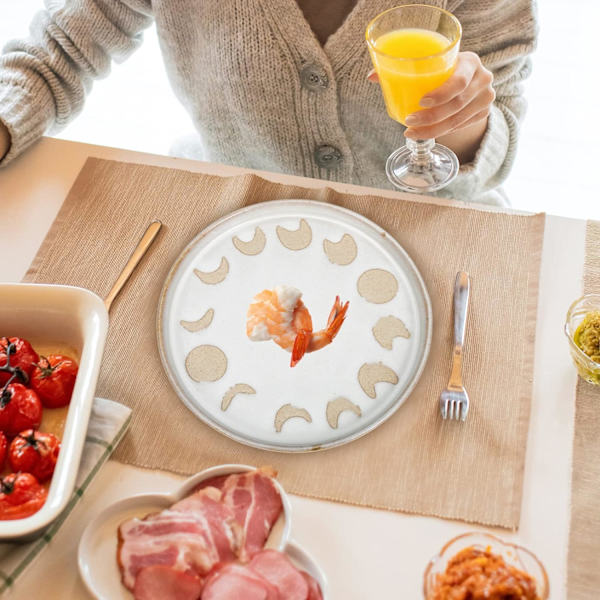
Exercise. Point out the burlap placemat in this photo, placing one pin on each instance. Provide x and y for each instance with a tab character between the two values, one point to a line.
415	462
583	575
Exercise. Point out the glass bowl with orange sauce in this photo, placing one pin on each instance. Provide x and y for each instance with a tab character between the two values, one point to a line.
487	567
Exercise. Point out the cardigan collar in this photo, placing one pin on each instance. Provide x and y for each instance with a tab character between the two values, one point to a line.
344	46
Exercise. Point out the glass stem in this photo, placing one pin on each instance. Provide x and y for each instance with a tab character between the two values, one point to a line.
420	152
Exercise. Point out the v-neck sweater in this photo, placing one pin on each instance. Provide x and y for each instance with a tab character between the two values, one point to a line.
260	89
325	18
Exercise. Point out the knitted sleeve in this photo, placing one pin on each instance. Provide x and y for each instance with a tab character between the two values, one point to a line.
503	34
44	78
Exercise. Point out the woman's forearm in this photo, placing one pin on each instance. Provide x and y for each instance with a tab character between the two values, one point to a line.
4	140
466	141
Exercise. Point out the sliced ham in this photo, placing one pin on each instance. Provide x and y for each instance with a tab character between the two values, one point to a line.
218	481
256	503
170	554
279	570
238	582
161	583
192	536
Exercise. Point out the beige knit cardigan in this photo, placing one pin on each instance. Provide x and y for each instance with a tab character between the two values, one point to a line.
260	89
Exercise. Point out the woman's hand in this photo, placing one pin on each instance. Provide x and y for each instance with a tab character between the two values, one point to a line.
456	111
464	99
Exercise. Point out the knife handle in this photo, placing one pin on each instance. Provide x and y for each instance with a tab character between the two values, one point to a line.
133	261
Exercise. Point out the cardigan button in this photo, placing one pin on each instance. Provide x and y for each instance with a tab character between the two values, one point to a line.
328	157
314	78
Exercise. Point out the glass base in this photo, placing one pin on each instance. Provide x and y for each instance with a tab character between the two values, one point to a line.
421	166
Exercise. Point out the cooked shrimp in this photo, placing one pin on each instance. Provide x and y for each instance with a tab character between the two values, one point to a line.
280	315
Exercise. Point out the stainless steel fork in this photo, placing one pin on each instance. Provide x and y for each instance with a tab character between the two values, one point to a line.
454	401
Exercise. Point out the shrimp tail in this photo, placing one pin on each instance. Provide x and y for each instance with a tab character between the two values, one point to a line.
300	346
307	341
336	317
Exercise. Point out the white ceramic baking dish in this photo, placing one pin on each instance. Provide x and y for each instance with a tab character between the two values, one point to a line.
57	316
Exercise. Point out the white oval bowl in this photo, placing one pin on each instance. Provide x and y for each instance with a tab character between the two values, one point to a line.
97	554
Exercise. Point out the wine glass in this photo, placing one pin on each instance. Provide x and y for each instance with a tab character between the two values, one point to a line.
414	49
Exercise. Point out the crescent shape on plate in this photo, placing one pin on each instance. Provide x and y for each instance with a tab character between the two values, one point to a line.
371	373
202	323
216	276
234	390
287	411
336	407
342	252
255	246
295	239
388	328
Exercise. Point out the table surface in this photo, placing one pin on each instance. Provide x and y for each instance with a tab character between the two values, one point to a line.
365	553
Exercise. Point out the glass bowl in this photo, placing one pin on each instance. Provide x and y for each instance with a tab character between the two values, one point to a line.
513	555
588	369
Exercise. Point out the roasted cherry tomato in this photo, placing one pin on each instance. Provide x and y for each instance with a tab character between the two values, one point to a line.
20	409
34	452
53	378
16	355
3	448
21	495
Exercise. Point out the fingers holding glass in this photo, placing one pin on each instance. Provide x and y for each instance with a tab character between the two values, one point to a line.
449	118
462	100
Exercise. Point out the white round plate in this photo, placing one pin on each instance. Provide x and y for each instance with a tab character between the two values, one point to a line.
97	553
324	251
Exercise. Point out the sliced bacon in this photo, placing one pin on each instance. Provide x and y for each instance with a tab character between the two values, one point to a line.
227	517
225	529
192	536
279	570
160	582
238	582
256	503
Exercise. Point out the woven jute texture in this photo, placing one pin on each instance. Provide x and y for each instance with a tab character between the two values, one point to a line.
414	462
583	577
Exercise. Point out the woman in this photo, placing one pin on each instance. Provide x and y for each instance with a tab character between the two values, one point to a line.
281	85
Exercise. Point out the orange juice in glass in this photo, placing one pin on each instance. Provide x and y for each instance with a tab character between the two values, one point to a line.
414	50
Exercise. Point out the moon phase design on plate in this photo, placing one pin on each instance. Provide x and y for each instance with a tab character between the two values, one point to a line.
297	239
253	247
377	286
388	328
371	373
342	252
202	323
336	407
216	276
287	411
206	363
234	390
246	390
